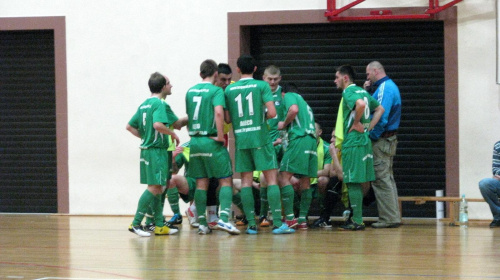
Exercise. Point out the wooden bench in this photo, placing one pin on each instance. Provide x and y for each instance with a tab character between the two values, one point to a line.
452	205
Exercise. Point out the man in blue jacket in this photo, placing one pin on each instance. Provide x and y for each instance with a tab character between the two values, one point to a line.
384	142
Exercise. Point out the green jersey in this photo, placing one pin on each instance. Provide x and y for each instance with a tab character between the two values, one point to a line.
200	103
350	95
171	119
280	115
149	112
246	101
303	123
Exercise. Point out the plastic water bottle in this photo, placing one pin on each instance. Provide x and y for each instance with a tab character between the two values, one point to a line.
346	214
463	217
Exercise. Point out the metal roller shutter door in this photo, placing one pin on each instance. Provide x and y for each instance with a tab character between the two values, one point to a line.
413	55
28	174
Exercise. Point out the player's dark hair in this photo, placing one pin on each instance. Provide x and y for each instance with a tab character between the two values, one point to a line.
289	87
224	68
246	63
347	70
208	68
156	82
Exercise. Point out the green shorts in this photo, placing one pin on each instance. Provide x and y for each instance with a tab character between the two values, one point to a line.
262	158
208	158
154	166
192	188
301	157
357	164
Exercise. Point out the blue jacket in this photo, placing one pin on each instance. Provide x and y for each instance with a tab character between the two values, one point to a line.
387	94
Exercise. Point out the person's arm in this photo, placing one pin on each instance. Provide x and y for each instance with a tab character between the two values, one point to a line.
377	114
325	171
180	123
386	99
290	116
133	130
271	110
336	167
219	123
359	110
175	153
227	117
163	129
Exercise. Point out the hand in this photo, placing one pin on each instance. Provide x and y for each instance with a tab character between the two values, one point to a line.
277	142
358	126
367	84
281	125
295	183
178	150
176	139
256	185
333	150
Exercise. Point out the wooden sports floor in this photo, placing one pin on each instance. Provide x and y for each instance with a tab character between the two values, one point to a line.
101	247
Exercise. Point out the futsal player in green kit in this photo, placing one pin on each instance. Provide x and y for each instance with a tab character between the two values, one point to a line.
171	193
148	123
300	157
272	75
247	101
208	157
357	154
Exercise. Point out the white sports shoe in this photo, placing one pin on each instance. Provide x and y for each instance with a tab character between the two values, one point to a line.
204	230
193	220
139	231
228	227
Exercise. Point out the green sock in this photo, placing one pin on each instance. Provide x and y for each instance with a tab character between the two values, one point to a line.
248	205
200	199
305	202
356	198
158	209
273	194
173	200
237	201
225	198
264	204
142	207
150	215
287	200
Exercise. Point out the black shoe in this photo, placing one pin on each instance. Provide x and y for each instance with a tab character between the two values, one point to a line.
242	221
322	223
170	225
351	225
495	223
149	227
